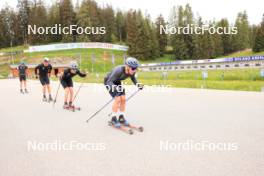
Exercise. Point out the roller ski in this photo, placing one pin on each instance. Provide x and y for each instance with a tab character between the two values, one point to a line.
71	108
44	99
125	123
115	124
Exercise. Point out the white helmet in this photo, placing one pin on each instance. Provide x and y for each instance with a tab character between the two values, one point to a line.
132	62
74	65
46	59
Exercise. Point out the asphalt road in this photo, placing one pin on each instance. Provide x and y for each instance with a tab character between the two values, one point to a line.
177	123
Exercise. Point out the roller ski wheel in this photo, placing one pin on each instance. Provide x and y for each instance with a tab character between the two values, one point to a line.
69	108
76	108
121	128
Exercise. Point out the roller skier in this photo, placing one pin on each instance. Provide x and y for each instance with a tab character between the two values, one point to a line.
43	72
113	83
67	84
23	74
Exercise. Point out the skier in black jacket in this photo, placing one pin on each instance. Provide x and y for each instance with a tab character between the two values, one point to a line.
67	83
23	73
113	84
43	71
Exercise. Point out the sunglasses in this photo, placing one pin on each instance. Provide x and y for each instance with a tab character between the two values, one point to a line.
133	68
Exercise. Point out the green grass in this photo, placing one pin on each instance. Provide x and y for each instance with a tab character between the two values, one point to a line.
240	79
16	48
247	52
237	79
4	71
244	80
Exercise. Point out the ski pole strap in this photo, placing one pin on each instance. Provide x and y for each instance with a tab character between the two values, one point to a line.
99	110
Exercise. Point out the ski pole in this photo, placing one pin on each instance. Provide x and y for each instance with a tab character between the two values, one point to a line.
77	92
99	110
132	95
56	95
109	103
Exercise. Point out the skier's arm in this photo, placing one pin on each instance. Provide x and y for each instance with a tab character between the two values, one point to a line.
134	79
63	74
27	71
36	70
49	71
81	74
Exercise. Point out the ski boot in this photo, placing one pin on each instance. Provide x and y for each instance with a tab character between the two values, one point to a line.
50	98
21	91
26	91
44	98
65	106
115	122
123	121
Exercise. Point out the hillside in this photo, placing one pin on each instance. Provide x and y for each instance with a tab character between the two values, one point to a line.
245	79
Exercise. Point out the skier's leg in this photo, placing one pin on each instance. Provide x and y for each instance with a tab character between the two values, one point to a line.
116	104
70	95
49	91
21	88
48	87
66	96
122	109
122	103
25	86
115	108
44	91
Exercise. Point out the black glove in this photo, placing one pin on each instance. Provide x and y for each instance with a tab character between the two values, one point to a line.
140	86
36	76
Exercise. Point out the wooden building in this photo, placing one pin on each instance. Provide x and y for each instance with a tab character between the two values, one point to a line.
56	68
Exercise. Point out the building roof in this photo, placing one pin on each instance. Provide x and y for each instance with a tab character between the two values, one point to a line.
34	65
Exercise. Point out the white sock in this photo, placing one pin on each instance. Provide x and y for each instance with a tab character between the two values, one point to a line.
122	113
114	114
